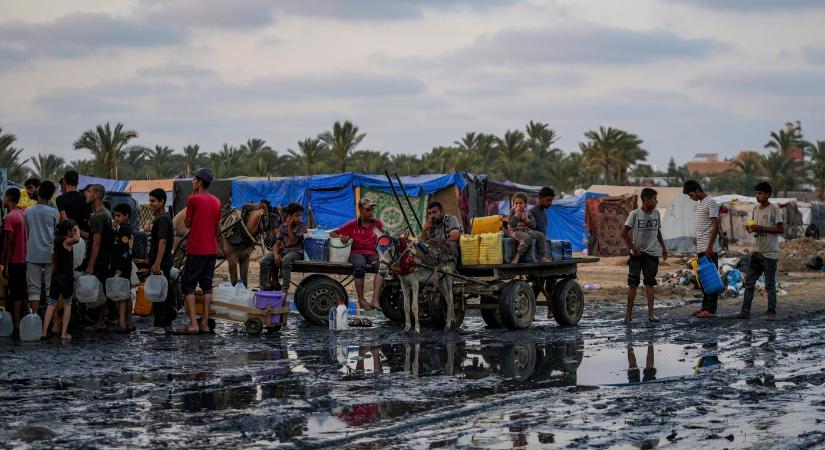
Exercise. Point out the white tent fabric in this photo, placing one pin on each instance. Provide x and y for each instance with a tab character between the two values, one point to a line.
679	225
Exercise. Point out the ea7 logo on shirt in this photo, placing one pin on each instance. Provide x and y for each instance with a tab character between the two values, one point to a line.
647	223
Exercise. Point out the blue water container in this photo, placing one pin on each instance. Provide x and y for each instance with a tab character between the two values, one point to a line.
555	250
510	246
316	246
709	276
567	246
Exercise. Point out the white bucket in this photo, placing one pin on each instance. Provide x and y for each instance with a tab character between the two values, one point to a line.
338	251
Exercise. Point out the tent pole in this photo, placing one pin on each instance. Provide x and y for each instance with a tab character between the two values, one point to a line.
398	200
406	196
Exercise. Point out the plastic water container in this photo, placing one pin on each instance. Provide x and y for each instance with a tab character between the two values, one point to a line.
568	249
134	281
224	294
469	249
31	327
88	288
709	276
101	298
491	249
6	324
341	318
117	289
338	251
316	245
489	224
275	299
555	250
155	288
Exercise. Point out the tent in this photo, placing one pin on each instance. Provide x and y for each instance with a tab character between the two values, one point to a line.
679	225
140	189
605	218
182	189
566	220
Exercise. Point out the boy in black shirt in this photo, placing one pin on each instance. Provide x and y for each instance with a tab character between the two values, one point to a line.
122	260
160	256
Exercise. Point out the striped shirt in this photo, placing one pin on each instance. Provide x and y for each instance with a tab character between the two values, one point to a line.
707	209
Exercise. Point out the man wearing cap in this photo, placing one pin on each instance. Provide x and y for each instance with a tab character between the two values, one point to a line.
203	214
364	232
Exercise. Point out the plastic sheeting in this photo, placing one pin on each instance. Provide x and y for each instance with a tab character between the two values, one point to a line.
566	220
182	189
679	225
109	185
332	208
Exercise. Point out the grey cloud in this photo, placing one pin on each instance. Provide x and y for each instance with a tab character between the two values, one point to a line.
80	33
755	5
335	85
175	70
79	102
210	13
379	9
793	84
582	43
814	54
10	56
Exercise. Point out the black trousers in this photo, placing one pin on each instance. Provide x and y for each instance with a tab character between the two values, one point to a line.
710	301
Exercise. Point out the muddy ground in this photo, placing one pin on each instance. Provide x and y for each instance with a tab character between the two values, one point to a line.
679	383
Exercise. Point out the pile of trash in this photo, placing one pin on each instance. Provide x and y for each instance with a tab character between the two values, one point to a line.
732	271
801	254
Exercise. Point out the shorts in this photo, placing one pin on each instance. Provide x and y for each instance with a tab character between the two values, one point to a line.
199	270
362	264
62	285
646	265
18	289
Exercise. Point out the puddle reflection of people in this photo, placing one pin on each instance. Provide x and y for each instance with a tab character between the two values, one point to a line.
375	352
633	372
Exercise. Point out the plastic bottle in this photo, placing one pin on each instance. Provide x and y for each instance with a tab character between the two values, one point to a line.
341	319
331	319
31	327
6	325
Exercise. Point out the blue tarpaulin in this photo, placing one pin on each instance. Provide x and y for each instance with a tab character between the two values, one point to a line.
565	220
332	197
109	185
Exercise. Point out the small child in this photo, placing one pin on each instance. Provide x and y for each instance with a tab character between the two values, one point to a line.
646	245
522	228
67	234
122	261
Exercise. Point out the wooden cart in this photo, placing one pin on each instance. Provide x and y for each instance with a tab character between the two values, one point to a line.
506	294
257	319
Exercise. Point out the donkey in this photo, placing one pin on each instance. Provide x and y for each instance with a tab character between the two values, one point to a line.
413	262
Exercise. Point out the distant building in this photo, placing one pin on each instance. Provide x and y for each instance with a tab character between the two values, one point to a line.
708	164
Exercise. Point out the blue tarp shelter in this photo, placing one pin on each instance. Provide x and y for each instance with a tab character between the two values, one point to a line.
565	219
332	197
109	185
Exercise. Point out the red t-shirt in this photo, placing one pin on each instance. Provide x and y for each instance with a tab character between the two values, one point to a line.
205	212
16	223
364	240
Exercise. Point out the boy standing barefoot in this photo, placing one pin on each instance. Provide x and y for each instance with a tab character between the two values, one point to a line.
643	235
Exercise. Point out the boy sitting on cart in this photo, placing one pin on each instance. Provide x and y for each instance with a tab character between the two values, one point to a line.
289	247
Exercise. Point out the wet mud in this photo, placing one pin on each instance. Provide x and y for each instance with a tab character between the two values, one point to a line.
679	383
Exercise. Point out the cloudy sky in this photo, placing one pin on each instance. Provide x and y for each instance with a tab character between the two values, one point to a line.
687	76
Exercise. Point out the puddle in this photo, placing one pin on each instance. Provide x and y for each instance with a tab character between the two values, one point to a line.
615	366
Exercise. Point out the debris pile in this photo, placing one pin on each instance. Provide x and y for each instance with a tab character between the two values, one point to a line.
797	253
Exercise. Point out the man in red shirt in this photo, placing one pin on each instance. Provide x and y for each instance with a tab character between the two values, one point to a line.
364	232
203	214
14	254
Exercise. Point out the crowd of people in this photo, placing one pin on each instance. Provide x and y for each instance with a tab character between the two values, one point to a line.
643	235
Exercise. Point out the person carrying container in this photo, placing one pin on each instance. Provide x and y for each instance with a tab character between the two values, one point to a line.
707	239
766	224
643	235
364	232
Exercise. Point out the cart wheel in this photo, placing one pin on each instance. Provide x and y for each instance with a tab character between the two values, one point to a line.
491	317
316	295
392	303
254	326
518	361
437	311
568	302
517	304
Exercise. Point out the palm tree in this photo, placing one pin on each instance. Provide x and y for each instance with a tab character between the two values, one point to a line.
342	140
10	158
190	158
259	156
47	167
311	156
745	173
784	141
563	172
369	161
229	162
540	137
783	173
84	167
406	164
108	146
614	151
513	157
133	166
161	159
816	166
